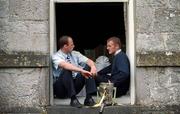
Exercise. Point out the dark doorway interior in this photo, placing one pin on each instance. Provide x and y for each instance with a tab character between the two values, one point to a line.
90	22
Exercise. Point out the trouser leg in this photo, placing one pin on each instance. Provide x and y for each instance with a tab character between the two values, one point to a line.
122	87
90	83
64	86
79	83
59	89
90	86
102	78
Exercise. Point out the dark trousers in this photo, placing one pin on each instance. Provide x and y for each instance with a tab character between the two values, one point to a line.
121	88
67	86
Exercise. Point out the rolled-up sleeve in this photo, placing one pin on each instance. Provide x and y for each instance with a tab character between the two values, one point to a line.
81	58
56	61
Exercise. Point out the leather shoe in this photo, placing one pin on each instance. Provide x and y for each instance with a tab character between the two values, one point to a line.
89	102
76	103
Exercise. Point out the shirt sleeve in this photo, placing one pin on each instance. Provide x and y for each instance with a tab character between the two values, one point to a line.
81	58
56	61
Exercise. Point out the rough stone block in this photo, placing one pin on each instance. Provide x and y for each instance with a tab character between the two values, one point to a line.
29	9
167	3
142	85
4	8
158	42
27	26
25	88
159	3
167	20
17	26
173	42
38	27
3	42
149	42
145	19
151	19
23	41
3	22
161	84
144	2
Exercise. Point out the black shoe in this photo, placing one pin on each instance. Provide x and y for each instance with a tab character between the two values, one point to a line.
76	103
89	102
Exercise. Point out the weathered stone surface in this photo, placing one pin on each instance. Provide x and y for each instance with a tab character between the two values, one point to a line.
159	3
24	26
3	23
29	9
24	36
151	19
4	8
149	42
25	41
23	88
40	27
158	59
167	20
161	85
23	59
3	42
145	17
115	110
158	42
172	42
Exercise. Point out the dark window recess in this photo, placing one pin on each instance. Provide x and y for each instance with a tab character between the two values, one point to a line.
90	22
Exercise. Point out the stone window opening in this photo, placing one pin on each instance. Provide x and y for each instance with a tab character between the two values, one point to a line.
101	20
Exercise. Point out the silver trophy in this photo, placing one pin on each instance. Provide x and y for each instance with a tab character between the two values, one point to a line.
106	95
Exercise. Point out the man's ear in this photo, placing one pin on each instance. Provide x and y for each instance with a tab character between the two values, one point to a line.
117	47
65	46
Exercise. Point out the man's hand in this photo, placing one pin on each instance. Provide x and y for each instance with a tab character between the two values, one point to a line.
86	74
93	71
93	67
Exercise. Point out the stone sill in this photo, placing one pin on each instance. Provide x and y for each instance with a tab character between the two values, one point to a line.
160	59
24	60
126	109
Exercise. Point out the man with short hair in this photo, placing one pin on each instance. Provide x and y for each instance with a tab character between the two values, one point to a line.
119	69
71	71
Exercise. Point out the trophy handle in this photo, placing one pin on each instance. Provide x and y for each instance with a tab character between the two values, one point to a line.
114	96
98	96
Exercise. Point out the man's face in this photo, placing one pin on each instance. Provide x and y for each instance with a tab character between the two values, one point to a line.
112	47
70	46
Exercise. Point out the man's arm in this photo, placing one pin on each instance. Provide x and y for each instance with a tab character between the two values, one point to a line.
91	64
122	71
105	70
71	67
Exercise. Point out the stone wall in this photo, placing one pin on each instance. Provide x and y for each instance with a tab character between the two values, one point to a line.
158	52
24	53
24	34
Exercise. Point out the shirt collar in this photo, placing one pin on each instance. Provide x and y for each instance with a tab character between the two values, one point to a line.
64	54
117	52
61	52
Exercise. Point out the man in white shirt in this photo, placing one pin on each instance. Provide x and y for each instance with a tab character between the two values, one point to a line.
71	71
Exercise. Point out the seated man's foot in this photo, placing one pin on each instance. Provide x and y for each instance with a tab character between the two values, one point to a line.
76	103
89	102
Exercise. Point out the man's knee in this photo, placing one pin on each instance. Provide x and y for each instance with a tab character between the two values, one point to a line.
65	71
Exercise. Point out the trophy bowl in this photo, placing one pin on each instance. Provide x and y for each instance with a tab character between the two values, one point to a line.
109	90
